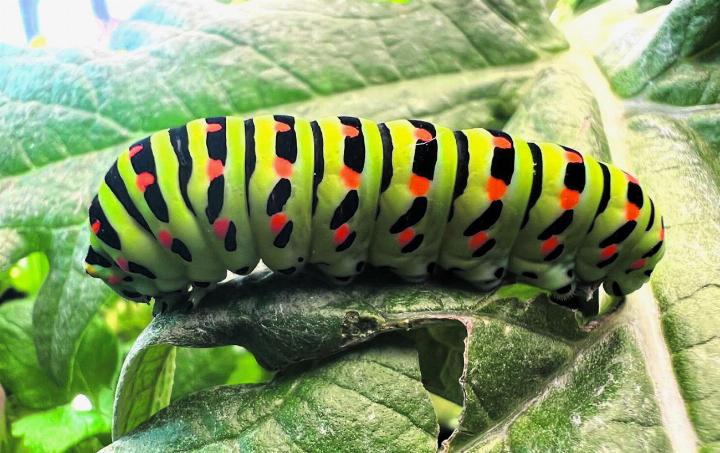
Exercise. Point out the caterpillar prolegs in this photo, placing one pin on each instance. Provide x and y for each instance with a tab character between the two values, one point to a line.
183	206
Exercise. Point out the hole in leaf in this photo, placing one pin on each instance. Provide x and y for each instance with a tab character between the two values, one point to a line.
24	278
200	368
441	348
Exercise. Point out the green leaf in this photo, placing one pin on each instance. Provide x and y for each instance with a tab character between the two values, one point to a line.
144	386
3	421
284	322
58	429
690	28
367	400
248	370
644	5
600	403
27	275
20	371
97	360
197	369
22	375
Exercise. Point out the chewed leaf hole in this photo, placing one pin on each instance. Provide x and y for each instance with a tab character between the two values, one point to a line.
441	352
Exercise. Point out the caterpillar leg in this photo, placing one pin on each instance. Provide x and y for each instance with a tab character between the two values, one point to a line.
172	301
566	292
584	297
485	278
199	291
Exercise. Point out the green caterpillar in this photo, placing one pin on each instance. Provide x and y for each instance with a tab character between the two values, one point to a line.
182	207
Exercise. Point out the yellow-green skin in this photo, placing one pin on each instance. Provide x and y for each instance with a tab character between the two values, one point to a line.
184	206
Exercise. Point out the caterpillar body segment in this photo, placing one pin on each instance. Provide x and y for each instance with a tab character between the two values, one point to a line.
185	205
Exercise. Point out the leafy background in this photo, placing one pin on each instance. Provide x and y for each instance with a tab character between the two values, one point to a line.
635	84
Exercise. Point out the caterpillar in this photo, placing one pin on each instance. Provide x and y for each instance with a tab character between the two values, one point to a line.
180	208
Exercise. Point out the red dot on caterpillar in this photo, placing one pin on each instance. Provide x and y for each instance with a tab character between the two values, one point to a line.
283	167
638	264
406	236
341	234
122	263
608	251
573	157
277	222
423	135
569	198
220	227
95	226
134	150
501	142
213	127
549	245
631	211
215	168
631	178
349	131
495	188
114	280
165	238
350	177
477	240
143	180
281	127
419	186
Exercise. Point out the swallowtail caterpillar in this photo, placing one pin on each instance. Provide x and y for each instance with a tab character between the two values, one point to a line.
181	207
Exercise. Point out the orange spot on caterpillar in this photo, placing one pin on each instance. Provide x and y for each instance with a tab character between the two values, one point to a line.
283	167
423	135
277	222
220	227
95	226
350	177
114	280
631	211
569	198
213	127
638	264
341	234
608	251
143	180
134	150
281	127
495	188
549	245
573	157
215	168
165	238
502	143
349	131
122	263
631	178
477	240
406	236
662	234
419	185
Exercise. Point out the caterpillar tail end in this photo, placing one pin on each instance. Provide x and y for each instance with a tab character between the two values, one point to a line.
589	299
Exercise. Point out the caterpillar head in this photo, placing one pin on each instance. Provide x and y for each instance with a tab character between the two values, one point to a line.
98	265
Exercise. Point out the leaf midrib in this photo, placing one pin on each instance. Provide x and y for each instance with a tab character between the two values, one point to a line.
641	305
